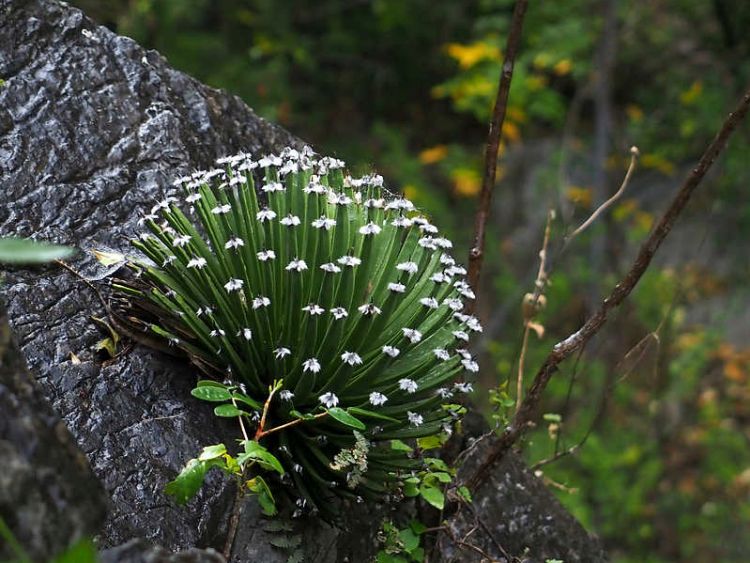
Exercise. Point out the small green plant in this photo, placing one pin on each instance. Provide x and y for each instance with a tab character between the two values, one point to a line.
401	545
502	405
287	270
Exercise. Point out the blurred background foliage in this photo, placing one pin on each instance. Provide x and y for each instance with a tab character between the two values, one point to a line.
661	400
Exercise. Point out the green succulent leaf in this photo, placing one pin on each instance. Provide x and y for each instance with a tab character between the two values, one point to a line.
212	452
210	383
249	401
345	418
400	446
371	414
228	411
211	393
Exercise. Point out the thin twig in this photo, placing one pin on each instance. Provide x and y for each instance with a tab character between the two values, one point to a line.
476	253
488	531
295	422
462	543
234	520
531	305
271	392
563	349
607	204
242	424
556	456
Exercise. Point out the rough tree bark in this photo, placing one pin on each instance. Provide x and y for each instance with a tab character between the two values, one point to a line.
92	128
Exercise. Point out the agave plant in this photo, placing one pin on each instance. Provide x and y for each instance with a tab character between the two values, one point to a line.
285	268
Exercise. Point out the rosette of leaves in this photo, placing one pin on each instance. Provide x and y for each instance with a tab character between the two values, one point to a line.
285	268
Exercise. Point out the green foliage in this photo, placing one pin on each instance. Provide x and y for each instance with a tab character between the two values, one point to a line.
327	280
401	545
406	87
430	483
187	484
26	251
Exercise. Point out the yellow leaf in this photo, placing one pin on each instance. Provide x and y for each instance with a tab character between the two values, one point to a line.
579	196
466	181
433	154
562	67
734	372
516	114
690	95
644	220
536	82
657	162
108	258
511	131
542	60
689	340
438	91
108	345
634	113
624	210
410	191
469	55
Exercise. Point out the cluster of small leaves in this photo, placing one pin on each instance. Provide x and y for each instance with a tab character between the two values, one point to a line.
285	267
191	478
401	545
502	405
430	481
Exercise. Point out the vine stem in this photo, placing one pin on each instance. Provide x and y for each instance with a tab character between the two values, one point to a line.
260	435
242	424
576	341
476	254
532	305
272	391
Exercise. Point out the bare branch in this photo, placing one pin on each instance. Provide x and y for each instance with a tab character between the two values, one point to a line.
532	303
607	204
563	349
476	253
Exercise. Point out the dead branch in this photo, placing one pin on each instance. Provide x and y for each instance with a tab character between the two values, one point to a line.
476	254
532	303
563	349
607	204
